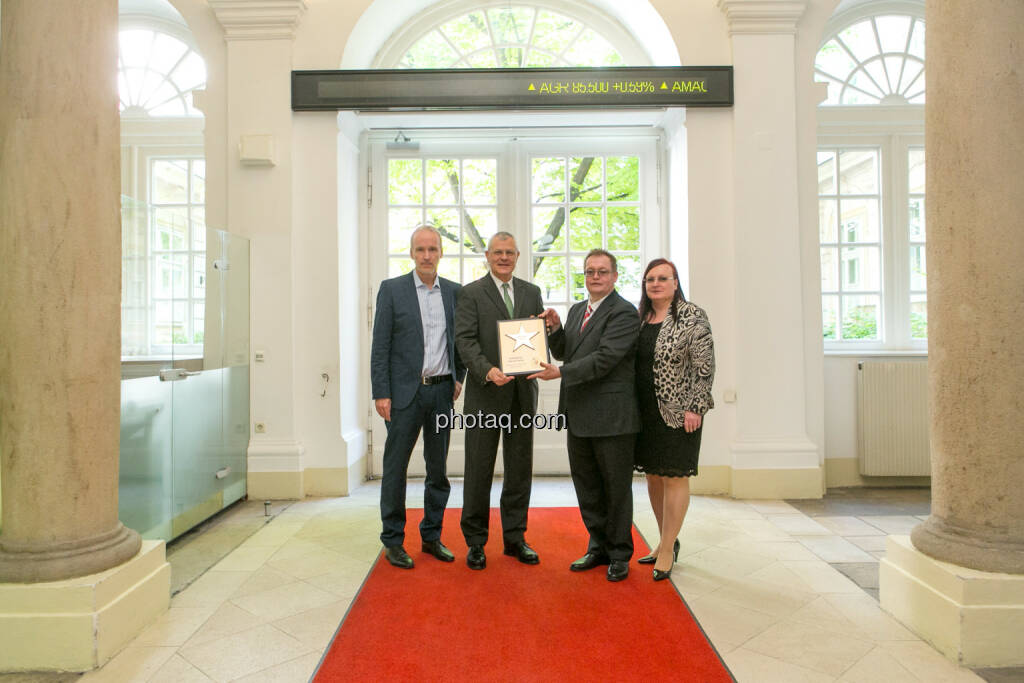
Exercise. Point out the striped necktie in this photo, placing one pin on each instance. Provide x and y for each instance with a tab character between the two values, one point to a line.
586	316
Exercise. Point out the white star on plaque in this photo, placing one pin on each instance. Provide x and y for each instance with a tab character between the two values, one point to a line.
522	338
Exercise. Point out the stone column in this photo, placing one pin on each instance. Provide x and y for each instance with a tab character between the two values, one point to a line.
60	246
974	142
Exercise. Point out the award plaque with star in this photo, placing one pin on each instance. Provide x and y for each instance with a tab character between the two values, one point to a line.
523	343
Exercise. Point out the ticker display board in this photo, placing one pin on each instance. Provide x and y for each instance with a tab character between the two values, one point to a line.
424	89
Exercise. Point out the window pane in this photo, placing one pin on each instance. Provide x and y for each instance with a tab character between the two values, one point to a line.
198	277
859	270
170	181
829	269
548	180
198	214
826	172
628	283
443	182
405	178
916	218
585	181
548	229
551	277
448	268
827	219
480	184
860	39
915	163
893	32
918	269
829	315
834	60
468	32
860	317
858	171
585	228
430	52
591	49
399	266
479	225
473	269
401	223
859	220
577	283
919	316
510	25
447	223
623	179
171	276
623	228
171	228
554	31
198	322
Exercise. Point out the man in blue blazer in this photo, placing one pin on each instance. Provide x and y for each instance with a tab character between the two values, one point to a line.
416	375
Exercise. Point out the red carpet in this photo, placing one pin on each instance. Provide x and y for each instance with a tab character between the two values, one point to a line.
514	622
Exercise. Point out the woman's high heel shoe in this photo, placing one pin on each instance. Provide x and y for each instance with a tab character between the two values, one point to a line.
652	558
662	575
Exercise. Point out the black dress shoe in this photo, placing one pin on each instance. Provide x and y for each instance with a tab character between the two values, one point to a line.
522	552
618	570
475	558
588	561
397	556
662	575
437	549
652	558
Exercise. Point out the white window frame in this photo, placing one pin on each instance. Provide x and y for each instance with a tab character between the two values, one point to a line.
894	326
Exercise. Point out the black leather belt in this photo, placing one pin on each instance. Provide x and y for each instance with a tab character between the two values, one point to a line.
436	379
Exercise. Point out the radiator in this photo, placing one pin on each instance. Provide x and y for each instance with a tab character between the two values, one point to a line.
892	418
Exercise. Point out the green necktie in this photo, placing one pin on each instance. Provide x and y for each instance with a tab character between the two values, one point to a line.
508	299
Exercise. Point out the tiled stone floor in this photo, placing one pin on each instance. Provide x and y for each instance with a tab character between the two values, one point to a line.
770	582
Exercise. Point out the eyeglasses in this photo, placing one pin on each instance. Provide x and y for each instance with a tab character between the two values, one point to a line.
661	278
590	272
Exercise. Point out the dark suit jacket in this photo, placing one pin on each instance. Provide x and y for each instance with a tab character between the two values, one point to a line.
396	357
598	396
480	308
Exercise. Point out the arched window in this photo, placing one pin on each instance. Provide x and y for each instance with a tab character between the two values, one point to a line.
511	37
871	182
156	74
877	60
164	188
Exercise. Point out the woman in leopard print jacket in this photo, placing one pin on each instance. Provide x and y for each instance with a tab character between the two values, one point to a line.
675	370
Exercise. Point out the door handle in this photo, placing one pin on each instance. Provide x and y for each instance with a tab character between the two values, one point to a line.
174	374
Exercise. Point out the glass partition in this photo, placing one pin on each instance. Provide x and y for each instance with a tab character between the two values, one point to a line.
184	369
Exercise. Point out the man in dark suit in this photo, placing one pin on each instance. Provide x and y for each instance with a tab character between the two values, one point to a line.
416	375
598	398
490	392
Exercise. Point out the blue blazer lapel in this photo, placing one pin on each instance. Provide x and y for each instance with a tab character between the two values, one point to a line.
412	300
448	300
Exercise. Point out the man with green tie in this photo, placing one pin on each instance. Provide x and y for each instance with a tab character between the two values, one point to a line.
496	296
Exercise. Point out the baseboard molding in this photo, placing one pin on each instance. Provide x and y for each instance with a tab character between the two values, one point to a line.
845	472
777	484
275	485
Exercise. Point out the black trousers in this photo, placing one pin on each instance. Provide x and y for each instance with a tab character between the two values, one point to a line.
403	431
602	473
517	457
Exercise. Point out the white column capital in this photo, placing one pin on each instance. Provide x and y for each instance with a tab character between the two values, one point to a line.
763	16
258	19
